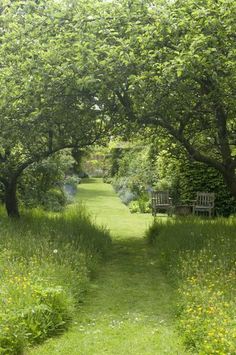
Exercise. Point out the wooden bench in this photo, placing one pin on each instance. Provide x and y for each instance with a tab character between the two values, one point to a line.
205	202
161	201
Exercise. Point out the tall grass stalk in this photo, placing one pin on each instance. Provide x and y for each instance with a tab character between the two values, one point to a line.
45	264
200	258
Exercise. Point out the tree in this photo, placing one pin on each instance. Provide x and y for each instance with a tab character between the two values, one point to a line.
45	102
68	67
171	65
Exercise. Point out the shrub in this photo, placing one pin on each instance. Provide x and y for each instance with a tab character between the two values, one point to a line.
54	200
70	187
126	196
199	257
164	165
121	186
194	176
134	207
141	205
42	183
45	263
163	184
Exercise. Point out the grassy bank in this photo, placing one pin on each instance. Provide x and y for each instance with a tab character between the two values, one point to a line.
45	264
200	257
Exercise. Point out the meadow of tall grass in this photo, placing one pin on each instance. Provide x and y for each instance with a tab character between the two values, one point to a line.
46	260
199	256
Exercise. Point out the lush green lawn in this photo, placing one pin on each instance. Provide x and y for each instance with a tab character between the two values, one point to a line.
106	206
128	307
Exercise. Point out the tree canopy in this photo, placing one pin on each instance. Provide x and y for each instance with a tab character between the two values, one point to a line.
45	105
171	64
69	70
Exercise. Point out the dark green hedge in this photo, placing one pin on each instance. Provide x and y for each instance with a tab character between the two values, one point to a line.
194	176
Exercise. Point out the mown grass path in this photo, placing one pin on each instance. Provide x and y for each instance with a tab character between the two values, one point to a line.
128	309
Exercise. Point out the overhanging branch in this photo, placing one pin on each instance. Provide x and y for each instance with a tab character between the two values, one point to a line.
46	154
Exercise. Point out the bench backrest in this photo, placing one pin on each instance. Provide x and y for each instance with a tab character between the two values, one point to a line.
205	199
160	198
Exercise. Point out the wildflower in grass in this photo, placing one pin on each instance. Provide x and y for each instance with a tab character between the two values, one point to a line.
32	305
205	270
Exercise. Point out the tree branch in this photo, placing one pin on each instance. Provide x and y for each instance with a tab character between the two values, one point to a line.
153	119
192	151
46	154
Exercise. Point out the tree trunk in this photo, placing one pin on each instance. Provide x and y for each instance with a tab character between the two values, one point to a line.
11	198
230	180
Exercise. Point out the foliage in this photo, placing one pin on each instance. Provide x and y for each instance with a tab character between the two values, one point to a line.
132	174
78	156
184	177
123	189
141	205
55	200
162	165
116	155
73	71
42	184
45	261
199	257
70	187
95	162
194	176
169	66
46	105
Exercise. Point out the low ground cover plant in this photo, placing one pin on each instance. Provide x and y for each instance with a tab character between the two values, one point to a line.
142	205
45	264
200	258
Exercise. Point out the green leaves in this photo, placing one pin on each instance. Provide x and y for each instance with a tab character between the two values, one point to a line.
46	87
169	64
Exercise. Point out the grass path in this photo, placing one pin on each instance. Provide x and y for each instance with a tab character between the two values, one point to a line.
128	307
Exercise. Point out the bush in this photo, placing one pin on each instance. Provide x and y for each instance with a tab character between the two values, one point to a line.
126	196
134	207
70	187
199	257
121	186
72	180
42	183
45	263
54	200
141	205
195	176
164	165
162	184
